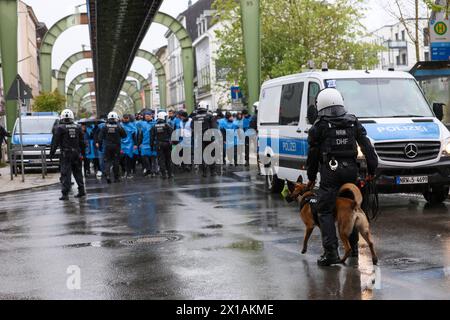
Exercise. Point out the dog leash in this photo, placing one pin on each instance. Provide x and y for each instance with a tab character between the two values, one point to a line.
371	204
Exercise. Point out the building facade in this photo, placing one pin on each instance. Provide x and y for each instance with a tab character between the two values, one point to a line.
210	85
400	52
31	32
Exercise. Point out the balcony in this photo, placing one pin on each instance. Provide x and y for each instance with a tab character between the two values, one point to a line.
396	44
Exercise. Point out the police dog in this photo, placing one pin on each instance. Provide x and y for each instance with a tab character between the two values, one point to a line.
348	216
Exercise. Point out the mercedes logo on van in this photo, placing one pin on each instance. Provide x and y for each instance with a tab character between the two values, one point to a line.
411	151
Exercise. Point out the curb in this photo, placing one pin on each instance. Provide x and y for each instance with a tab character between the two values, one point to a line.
29	188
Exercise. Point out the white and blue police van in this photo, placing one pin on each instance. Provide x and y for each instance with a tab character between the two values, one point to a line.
412	144
37	132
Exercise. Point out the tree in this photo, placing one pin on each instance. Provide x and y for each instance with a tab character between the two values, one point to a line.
49	102
294	32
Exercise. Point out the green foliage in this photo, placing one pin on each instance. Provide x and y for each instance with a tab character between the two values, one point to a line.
435	7
49	102
294	32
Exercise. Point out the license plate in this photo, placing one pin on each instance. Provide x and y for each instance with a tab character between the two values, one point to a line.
412	180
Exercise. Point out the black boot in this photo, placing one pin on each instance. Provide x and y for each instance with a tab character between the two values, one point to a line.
330	257
81	194
64	197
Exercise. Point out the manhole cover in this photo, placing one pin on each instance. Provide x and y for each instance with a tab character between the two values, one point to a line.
151	240
145	240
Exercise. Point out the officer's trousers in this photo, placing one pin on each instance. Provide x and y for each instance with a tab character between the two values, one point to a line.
330	183
204	166
112	159
150	164
71	164
165	158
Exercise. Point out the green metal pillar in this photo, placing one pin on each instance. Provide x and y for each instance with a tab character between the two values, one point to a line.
8	47
188	74
251	29
45	53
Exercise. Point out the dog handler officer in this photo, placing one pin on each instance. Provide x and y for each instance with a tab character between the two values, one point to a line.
333	147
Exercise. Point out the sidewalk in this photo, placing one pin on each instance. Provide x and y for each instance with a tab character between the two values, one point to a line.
32	180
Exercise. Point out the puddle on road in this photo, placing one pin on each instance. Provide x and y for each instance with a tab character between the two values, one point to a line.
247	245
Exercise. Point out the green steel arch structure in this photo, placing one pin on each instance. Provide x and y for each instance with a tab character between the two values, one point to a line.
68	63
134	93
90	75
76	81
160	72
145	85
89	87
86	88
91	98
45	53
187	53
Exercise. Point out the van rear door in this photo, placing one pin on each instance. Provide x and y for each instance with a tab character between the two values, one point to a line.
292	142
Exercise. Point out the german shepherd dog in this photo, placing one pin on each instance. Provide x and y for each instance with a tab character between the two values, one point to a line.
348	215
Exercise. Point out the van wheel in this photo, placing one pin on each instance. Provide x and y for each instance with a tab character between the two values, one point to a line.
436	195
273	184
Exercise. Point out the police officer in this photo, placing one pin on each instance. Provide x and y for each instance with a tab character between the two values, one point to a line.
161	137
70	139
110	137
204	120
129	145
333	146
3	135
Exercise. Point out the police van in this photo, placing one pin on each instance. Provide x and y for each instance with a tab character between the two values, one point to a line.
37	132
412	144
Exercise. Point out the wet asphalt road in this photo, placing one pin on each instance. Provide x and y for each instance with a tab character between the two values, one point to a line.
209	239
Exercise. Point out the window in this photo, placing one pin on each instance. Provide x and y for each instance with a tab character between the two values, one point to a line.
290	105
427	56
404	62
426	37
398	60
403	35
396	37
313	91
383	98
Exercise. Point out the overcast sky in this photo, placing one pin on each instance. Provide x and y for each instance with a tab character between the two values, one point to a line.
71	41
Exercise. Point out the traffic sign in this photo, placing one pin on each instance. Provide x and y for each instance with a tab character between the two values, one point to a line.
19	90
440	37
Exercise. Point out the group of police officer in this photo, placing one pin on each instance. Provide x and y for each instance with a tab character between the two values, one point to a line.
142	139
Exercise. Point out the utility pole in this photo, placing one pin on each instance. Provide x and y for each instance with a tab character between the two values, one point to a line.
251	29
9	53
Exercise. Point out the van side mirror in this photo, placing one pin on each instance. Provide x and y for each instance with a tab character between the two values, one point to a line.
438	109
312	114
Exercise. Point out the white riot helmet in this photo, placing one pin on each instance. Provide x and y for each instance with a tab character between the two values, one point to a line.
113	116
329	98
67	114
162	116
203	105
